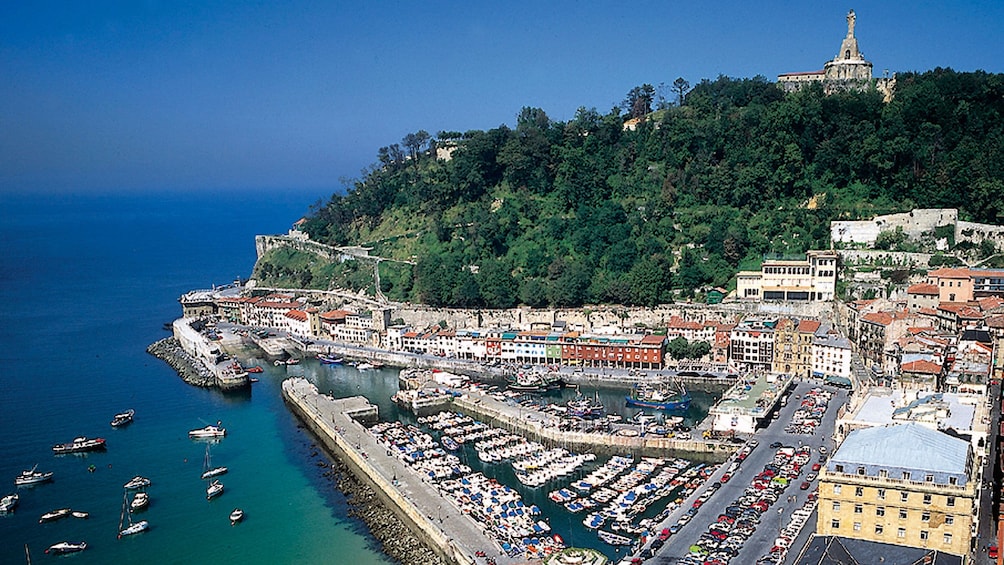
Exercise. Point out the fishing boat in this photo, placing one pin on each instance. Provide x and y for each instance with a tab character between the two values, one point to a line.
255	369
612	538
32	477
208	471
79	445
123	418
215	489
8	503
66	547
659	398
535	382
236	516
126	517
329	359
585	408
137	482
140	501
54	515
208	432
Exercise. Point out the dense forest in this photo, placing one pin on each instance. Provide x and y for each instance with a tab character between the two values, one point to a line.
587	211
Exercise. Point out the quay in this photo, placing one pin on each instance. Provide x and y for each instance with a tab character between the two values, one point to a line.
543	428
419	504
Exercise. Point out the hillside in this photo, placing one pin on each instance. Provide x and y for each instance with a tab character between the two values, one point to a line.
585	211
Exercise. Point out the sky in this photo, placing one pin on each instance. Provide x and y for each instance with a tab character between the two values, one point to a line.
147	95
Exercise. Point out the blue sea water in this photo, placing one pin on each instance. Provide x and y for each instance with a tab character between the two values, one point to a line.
86	283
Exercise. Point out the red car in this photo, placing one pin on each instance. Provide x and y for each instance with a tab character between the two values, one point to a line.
992	552
725	478
816	466
804	486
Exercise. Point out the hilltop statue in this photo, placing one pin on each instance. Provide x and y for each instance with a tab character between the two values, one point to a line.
850	23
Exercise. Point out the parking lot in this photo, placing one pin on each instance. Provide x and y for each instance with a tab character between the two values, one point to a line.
760	493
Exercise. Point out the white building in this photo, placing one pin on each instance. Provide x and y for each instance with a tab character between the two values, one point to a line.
812	279
831	356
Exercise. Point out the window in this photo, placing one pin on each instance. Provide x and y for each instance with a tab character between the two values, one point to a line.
948	539
880	510
836	489
839	468
835	524
949	520
878	529
925	516
950	501
859	491
858	509
861	470
902	514
903	496
857	526
836	506
906	475
901	533
928	478
927	499
883	473
923	535
880	493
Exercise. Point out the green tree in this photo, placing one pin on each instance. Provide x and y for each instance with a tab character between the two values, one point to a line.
679	348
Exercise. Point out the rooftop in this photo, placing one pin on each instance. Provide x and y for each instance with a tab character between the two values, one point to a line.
897	446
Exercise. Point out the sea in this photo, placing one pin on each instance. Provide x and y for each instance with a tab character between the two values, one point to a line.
87	282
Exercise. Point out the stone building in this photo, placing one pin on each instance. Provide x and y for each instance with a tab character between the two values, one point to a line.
849	70
876	488
812	279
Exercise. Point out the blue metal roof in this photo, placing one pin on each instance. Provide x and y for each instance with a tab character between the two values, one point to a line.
898	446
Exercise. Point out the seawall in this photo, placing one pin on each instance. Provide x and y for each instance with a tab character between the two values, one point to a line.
413	501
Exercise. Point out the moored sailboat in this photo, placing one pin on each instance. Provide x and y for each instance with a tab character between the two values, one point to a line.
66	547
126	515
208	471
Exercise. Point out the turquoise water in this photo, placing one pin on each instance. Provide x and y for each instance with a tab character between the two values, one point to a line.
86	284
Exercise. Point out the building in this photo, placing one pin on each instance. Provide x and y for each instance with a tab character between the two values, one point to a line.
922	295
849	70
966	285
876	488
812	278
793	347
831	357
751	346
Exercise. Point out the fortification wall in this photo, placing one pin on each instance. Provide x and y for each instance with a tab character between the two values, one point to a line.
914	223
850	257
977	233
265	243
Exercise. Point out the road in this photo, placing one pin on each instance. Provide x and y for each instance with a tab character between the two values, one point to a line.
776	517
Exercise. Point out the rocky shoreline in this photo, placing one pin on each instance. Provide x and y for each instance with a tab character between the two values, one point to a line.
188	368
396	539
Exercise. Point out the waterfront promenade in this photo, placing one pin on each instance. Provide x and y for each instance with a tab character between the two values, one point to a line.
418	503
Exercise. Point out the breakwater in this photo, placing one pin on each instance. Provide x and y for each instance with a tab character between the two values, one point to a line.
191	370
541	427
414	502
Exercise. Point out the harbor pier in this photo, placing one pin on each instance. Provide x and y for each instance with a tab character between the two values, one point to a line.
419	504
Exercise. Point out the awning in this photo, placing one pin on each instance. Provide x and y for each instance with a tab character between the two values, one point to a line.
837	380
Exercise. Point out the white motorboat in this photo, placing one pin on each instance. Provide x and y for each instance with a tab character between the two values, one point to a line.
80	514
8	503
32	477
126	518
215	489
123	418
66	547
140	501
136	528
137	482
80	445
236	516
54	515
208	432
208	471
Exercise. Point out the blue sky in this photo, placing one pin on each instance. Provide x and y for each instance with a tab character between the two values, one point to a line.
172	95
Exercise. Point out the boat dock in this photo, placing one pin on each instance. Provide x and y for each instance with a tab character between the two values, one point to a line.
419	504
543	428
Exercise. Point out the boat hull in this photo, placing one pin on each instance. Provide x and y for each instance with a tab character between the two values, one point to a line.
681	404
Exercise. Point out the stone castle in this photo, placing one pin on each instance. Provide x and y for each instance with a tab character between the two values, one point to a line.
849	70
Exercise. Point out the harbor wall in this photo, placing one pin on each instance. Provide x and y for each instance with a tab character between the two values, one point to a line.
336	443
491	412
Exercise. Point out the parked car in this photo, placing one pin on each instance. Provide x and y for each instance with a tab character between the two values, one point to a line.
804	486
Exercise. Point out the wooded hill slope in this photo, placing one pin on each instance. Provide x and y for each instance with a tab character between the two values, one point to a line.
584	211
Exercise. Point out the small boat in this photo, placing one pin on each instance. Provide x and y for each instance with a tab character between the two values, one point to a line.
293	361
32	477
208	471
585	408
140	501
329	359
215	489
659	398
365	366
80	514
79	445
535	382
54	515
253	379
66	547
236	516
126	517
123	418
8	503
449	443
255	369
136	483
612	538
209	431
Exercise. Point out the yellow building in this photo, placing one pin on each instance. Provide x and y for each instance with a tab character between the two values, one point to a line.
904	484
793	347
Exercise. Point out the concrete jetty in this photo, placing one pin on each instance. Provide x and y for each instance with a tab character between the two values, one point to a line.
419	504
543	428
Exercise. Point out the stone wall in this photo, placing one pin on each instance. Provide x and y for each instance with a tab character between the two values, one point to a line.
265	243
914	223
851	257
977	233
